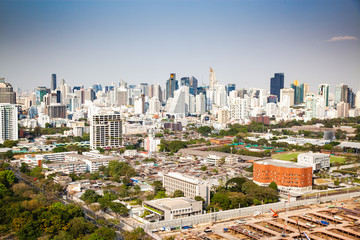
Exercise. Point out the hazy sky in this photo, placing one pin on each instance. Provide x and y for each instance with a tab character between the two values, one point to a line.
245	41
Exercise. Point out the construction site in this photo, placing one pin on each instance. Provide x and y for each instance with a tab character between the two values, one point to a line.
338	220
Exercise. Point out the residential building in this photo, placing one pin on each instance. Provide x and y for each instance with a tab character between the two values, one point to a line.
317	161
77	167
56	110
288	176
290	92
173	208
341	93
8	122
191	187
105	131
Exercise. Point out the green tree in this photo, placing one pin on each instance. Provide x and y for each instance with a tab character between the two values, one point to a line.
119	208
90	196
273	185
178	193
158	186
203	168
235	184
10	143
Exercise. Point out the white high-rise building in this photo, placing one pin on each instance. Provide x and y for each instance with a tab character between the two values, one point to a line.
122	96
212	79
200	103
178	104
105	131
271	109
220	95
239	109
357	99
154	105
8	122
139	105
287	92
192	104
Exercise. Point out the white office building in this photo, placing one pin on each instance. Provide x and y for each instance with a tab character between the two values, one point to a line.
315	160
191	187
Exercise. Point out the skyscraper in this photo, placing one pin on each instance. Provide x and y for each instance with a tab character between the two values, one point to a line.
212	79
277	83
7	94
324	90
298	92
171	85
53	81
193	85
230	87
341	93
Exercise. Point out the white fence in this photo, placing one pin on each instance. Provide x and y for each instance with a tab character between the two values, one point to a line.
234	213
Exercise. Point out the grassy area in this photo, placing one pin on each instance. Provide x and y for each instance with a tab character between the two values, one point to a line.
293	157
152	209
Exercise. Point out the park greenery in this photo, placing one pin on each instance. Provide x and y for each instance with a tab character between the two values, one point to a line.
26	213
239	192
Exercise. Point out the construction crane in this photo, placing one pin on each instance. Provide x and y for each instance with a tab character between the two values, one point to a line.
275	215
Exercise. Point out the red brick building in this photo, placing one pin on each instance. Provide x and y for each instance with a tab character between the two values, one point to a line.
289	176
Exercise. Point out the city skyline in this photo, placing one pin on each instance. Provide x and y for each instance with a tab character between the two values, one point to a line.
246	42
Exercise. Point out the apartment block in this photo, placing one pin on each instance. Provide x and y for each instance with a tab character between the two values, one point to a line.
105	131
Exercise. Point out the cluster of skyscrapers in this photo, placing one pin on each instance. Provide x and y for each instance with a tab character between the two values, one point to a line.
216	104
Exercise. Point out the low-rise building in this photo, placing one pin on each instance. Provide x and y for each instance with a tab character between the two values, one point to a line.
191	187
77	167
315	160
173	208
288	176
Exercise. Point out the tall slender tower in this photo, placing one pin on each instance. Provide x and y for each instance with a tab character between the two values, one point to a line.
277	83
324	90
212	79
53	82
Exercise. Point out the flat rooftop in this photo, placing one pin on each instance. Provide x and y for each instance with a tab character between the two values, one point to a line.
281	163
171	203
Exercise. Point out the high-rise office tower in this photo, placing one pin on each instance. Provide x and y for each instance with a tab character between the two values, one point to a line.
212	79
53	82
193	85
155	91
144	88
341	93
185	81
324	90
351	98
8	122
171	85
277	83
105	131
298	92
230	87
7	94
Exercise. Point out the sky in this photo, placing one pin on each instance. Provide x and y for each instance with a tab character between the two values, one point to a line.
245	41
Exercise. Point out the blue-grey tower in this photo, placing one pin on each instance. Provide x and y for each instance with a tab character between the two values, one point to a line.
53	81
277	83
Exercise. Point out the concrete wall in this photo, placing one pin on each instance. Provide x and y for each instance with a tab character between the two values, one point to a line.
217	216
